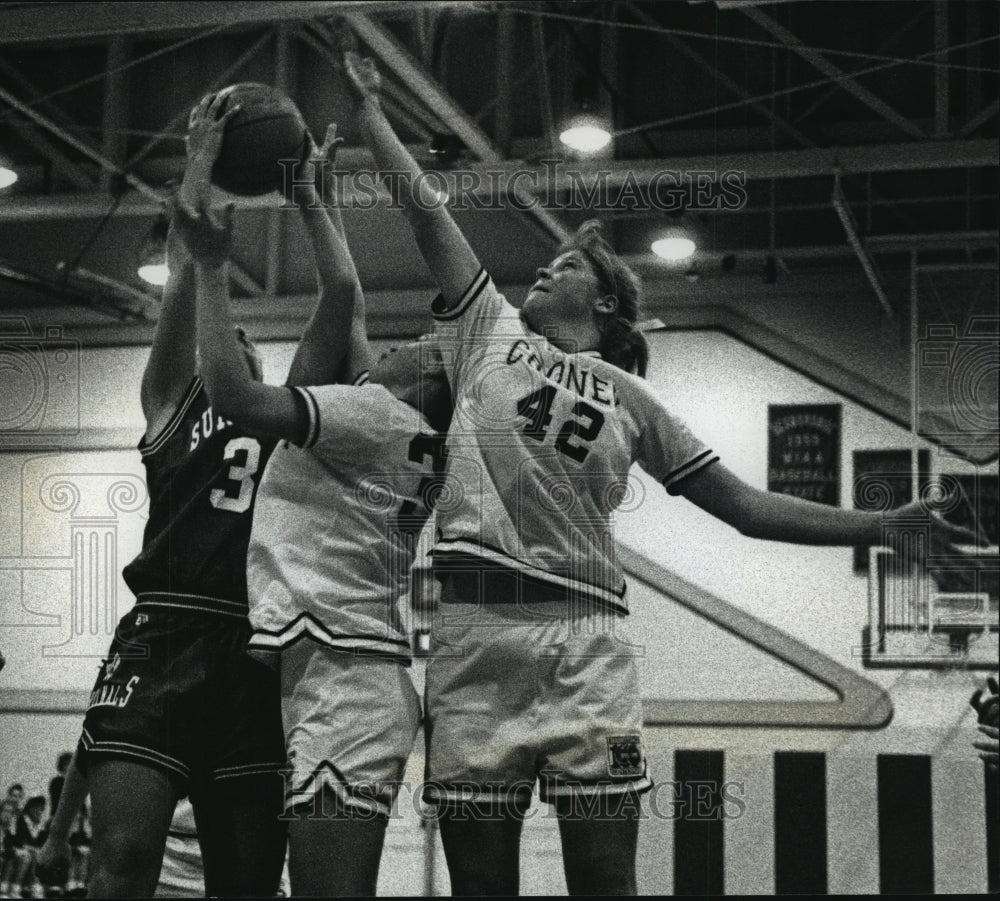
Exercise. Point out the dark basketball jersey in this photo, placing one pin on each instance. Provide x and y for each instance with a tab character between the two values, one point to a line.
202	474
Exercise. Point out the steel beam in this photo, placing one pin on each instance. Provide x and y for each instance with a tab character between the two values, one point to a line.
781	164
850	228
544	82
114	114
398	59
981	118
940	69
51	22
504	78
77	144
842	78
399	106
180	119
32	136
721	78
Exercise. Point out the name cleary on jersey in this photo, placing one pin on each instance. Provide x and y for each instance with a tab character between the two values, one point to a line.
207	426
567	373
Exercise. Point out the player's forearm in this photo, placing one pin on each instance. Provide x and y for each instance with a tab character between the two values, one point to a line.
196	185
327	338
223	365
780	517
391	155
171	357
334	265
327	345
448	255
74	792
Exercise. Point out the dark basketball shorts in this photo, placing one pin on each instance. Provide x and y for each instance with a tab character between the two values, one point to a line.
179	693
517	693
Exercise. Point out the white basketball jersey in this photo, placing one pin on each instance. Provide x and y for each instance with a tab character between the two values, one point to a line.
540	446
337	522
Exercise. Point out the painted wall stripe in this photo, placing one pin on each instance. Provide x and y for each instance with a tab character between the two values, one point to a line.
905	835
800	854
698	834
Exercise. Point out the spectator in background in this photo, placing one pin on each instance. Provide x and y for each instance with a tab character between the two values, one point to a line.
79	841
987	704
16	794
9	866
57	782
28	839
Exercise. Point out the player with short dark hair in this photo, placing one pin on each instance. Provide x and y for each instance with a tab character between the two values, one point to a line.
179	707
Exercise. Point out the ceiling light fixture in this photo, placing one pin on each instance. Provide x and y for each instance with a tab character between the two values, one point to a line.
586	131
674	246
7	175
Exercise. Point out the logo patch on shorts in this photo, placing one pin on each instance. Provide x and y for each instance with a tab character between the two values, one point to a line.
111	665
625	755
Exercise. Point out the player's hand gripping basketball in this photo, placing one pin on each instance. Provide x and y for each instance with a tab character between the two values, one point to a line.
206	127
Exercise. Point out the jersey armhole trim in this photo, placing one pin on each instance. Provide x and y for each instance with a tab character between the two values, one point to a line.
312	411
471	293
673	481
147	448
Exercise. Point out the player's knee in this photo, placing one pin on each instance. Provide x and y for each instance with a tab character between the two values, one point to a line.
124	856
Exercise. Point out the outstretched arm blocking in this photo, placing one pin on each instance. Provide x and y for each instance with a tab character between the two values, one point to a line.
448	255
334	345
780	517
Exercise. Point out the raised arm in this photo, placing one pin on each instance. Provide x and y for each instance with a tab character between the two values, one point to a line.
170	366
171	362
780	517
231	385
448	255
334	345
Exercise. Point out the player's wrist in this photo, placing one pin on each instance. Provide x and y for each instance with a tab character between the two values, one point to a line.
368	106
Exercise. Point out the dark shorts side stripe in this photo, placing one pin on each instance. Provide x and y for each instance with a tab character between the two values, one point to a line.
800	823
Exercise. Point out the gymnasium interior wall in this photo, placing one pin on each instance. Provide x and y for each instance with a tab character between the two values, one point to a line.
722	389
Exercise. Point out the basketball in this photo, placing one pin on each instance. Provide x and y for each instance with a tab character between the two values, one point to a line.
268	128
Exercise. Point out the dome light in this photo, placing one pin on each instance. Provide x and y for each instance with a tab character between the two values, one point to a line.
154	273
674	248
7	176
586	135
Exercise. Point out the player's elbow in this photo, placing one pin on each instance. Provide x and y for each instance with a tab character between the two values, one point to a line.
746	519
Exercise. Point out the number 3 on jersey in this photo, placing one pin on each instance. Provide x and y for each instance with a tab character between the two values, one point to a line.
239	477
